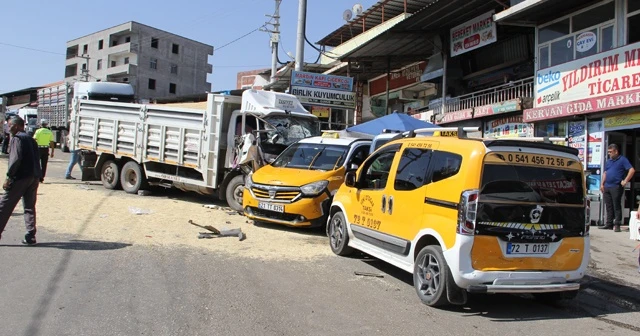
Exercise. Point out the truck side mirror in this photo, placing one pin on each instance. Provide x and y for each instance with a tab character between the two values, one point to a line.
350	179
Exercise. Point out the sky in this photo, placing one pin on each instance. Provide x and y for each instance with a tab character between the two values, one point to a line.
48	25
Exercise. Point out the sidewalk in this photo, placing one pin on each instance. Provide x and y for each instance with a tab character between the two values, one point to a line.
612	258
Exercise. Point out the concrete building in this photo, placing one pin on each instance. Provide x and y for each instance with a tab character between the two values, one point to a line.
157	63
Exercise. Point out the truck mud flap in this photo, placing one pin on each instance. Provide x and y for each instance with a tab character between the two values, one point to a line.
89	174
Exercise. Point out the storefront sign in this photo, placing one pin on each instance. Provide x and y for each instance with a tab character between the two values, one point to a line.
455	116
332	98
507	127
407	76
473	34
594	143
321	81
622	120
604	81
321	111
503	107
577	136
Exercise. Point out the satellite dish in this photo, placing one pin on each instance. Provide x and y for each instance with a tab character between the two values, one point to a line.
357	9
347	15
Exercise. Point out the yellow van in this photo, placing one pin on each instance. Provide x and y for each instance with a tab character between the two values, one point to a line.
469	215
297	188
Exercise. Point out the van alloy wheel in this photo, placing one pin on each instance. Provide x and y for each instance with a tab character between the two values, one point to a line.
429	275
338	235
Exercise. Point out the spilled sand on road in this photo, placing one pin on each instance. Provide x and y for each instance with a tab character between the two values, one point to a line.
93	213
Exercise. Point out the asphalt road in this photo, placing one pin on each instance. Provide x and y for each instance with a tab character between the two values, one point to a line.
69	286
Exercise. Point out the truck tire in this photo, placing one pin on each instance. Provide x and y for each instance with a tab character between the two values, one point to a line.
234	191
132	177
110	175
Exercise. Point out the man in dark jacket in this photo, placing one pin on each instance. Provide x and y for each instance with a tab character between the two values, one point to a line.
23	178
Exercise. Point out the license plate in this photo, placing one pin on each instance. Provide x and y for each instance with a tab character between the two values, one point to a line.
271	207
527	248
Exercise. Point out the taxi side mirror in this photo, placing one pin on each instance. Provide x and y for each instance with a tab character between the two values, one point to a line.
350	179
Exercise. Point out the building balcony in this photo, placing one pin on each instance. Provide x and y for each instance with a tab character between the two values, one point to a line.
124	48
122	69
521	90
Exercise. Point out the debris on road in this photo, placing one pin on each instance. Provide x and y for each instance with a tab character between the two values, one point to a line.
211	206
85	187
138	211
206	227
224	233
376	275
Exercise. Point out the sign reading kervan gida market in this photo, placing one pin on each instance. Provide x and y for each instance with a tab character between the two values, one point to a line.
324	90
605	81
473	34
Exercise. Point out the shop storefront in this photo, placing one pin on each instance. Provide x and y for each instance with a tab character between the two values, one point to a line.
588	89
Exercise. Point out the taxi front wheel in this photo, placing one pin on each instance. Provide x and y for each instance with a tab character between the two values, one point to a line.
338	235
430	273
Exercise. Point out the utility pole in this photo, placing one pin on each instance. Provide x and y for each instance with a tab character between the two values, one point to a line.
275	39
302	22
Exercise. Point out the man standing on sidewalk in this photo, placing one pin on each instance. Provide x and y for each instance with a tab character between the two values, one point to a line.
23	175
617	173
44	138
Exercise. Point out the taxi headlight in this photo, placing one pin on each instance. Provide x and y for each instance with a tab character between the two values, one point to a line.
248	181
314	188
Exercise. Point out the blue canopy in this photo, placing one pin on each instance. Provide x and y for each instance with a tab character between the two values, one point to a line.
395	121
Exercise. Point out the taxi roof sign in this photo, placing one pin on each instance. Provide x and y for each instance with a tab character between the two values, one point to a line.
446	133
331	134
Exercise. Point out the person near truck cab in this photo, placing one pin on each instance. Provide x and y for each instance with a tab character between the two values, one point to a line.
23	175
618	171
75	159
6	136
44	138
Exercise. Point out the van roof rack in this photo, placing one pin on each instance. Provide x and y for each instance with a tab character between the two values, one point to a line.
386	130
548	140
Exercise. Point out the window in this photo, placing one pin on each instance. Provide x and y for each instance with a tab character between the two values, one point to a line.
84	66
154	43
358	156
153	64
445	165
633	29
172	88
551	129
174	69
412	169
100	44
175	48
152	84
579	35
126	60
127	39
85	49
113	63
99	64
377	168
114	43
633	5
125	80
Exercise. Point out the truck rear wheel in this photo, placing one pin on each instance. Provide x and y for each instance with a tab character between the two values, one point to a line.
132	177
234	191
110	175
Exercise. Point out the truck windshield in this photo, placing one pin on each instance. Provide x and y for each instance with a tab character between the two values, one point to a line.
312	156
292	128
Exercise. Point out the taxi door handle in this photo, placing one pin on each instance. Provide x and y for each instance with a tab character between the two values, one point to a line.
384	203
390	209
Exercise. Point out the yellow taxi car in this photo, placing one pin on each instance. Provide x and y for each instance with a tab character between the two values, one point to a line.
297	188
469	215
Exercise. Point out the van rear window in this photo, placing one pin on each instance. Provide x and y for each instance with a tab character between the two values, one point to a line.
502	182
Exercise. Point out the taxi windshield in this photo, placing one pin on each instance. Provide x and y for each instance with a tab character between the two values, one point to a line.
312	156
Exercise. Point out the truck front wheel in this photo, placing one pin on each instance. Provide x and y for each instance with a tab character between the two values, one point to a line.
234	191
132	177
110	175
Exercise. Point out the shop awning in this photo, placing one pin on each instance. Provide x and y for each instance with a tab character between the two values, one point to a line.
14	108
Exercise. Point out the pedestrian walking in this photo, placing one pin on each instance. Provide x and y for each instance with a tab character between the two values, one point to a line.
618	171
44	138
6	136
75	159
23	176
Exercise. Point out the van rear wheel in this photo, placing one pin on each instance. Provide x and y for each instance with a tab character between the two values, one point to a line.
430	275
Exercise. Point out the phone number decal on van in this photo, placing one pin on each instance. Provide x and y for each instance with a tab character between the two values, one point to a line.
533	160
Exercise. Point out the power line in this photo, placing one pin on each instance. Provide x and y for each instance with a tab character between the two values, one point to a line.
33	49
239	38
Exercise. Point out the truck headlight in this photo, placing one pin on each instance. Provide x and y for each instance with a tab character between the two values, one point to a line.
248	181
314	188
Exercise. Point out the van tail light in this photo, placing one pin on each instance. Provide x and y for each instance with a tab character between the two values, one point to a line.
587	216
467	212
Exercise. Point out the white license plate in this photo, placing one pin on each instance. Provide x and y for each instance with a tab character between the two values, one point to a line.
527	248
271	206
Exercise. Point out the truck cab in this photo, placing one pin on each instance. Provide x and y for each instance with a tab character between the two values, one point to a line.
296	189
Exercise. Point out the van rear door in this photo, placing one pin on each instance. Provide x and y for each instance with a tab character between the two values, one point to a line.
531	211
